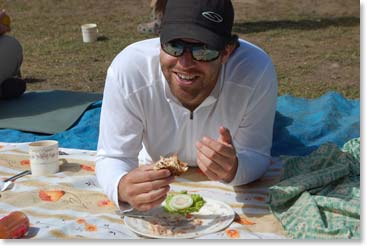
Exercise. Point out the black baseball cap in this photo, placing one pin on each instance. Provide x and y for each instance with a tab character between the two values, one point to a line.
208	21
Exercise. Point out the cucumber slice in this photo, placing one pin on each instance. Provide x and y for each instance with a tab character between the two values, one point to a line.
181	201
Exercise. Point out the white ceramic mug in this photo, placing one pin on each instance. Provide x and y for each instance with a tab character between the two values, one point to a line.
44	157
89	32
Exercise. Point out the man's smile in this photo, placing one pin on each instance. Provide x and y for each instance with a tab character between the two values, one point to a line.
185	79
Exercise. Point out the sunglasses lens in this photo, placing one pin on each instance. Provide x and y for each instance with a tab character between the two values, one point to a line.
173	49
203	54
199	51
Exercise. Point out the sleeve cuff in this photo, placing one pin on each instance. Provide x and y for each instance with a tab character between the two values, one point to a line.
109	172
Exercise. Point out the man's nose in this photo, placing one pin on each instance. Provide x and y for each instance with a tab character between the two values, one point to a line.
186	59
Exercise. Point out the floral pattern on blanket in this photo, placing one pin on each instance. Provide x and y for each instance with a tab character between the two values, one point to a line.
71	205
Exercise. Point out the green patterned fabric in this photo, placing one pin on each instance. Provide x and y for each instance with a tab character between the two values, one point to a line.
319	194
352	147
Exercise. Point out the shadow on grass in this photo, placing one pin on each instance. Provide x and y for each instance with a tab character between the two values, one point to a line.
262	26
30	80
102	38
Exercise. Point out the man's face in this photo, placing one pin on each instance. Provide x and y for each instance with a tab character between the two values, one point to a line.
191	81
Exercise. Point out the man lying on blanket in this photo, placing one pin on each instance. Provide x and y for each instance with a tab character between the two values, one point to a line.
197	92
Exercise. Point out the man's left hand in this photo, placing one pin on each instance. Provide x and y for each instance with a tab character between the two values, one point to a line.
217	159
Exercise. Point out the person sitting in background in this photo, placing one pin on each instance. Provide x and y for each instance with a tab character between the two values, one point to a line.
11	57
154	26
197	91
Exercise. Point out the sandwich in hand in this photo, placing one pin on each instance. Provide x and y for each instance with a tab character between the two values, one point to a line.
173	164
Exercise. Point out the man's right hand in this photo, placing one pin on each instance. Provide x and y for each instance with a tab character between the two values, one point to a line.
145	188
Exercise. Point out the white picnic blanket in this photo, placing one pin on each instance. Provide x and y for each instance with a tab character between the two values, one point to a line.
71	205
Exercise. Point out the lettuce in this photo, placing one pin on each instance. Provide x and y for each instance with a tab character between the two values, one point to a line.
198	202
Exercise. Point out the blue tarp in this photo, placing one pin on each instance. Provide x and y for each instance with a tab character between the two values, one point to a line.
301	125
82	135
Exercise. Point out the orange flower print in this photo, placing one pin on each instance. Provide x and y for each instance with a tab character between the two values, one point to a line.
87	168
90	227
81	221
243	221
105	203
50	196
2	146
87	227
24	162
232	233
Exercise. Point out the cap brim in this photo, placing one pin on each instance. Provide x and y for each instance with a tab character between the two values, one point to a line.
172	31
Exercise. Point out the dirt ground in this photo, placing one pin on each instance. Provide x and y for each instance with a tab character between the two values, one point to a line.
314	44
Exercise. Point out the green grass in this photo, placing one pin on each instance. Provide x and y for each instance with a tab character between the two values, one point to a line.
314	44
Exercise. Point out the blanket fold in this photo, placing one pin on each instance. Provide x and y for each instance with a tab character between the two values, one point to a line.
319	194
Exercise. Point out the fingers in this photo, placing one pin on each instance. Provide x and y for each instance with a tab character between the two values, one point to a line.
143	180
210	157
209	168
223	149
144	188
225	135
147	201
147	174
153	185
217	159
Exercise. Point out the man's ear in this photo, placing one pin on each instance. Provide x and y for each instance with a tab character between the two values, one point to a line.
227	52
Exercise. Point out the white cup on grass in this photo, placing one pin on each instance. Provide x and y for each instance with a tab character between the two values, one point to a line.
44	157
89	32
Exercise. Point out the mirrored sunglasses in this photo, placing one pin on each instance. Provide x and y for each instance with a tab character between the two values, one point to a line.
198	51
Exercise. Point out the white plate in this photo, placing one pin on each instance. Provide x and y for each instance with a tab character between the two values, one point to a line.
212	217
